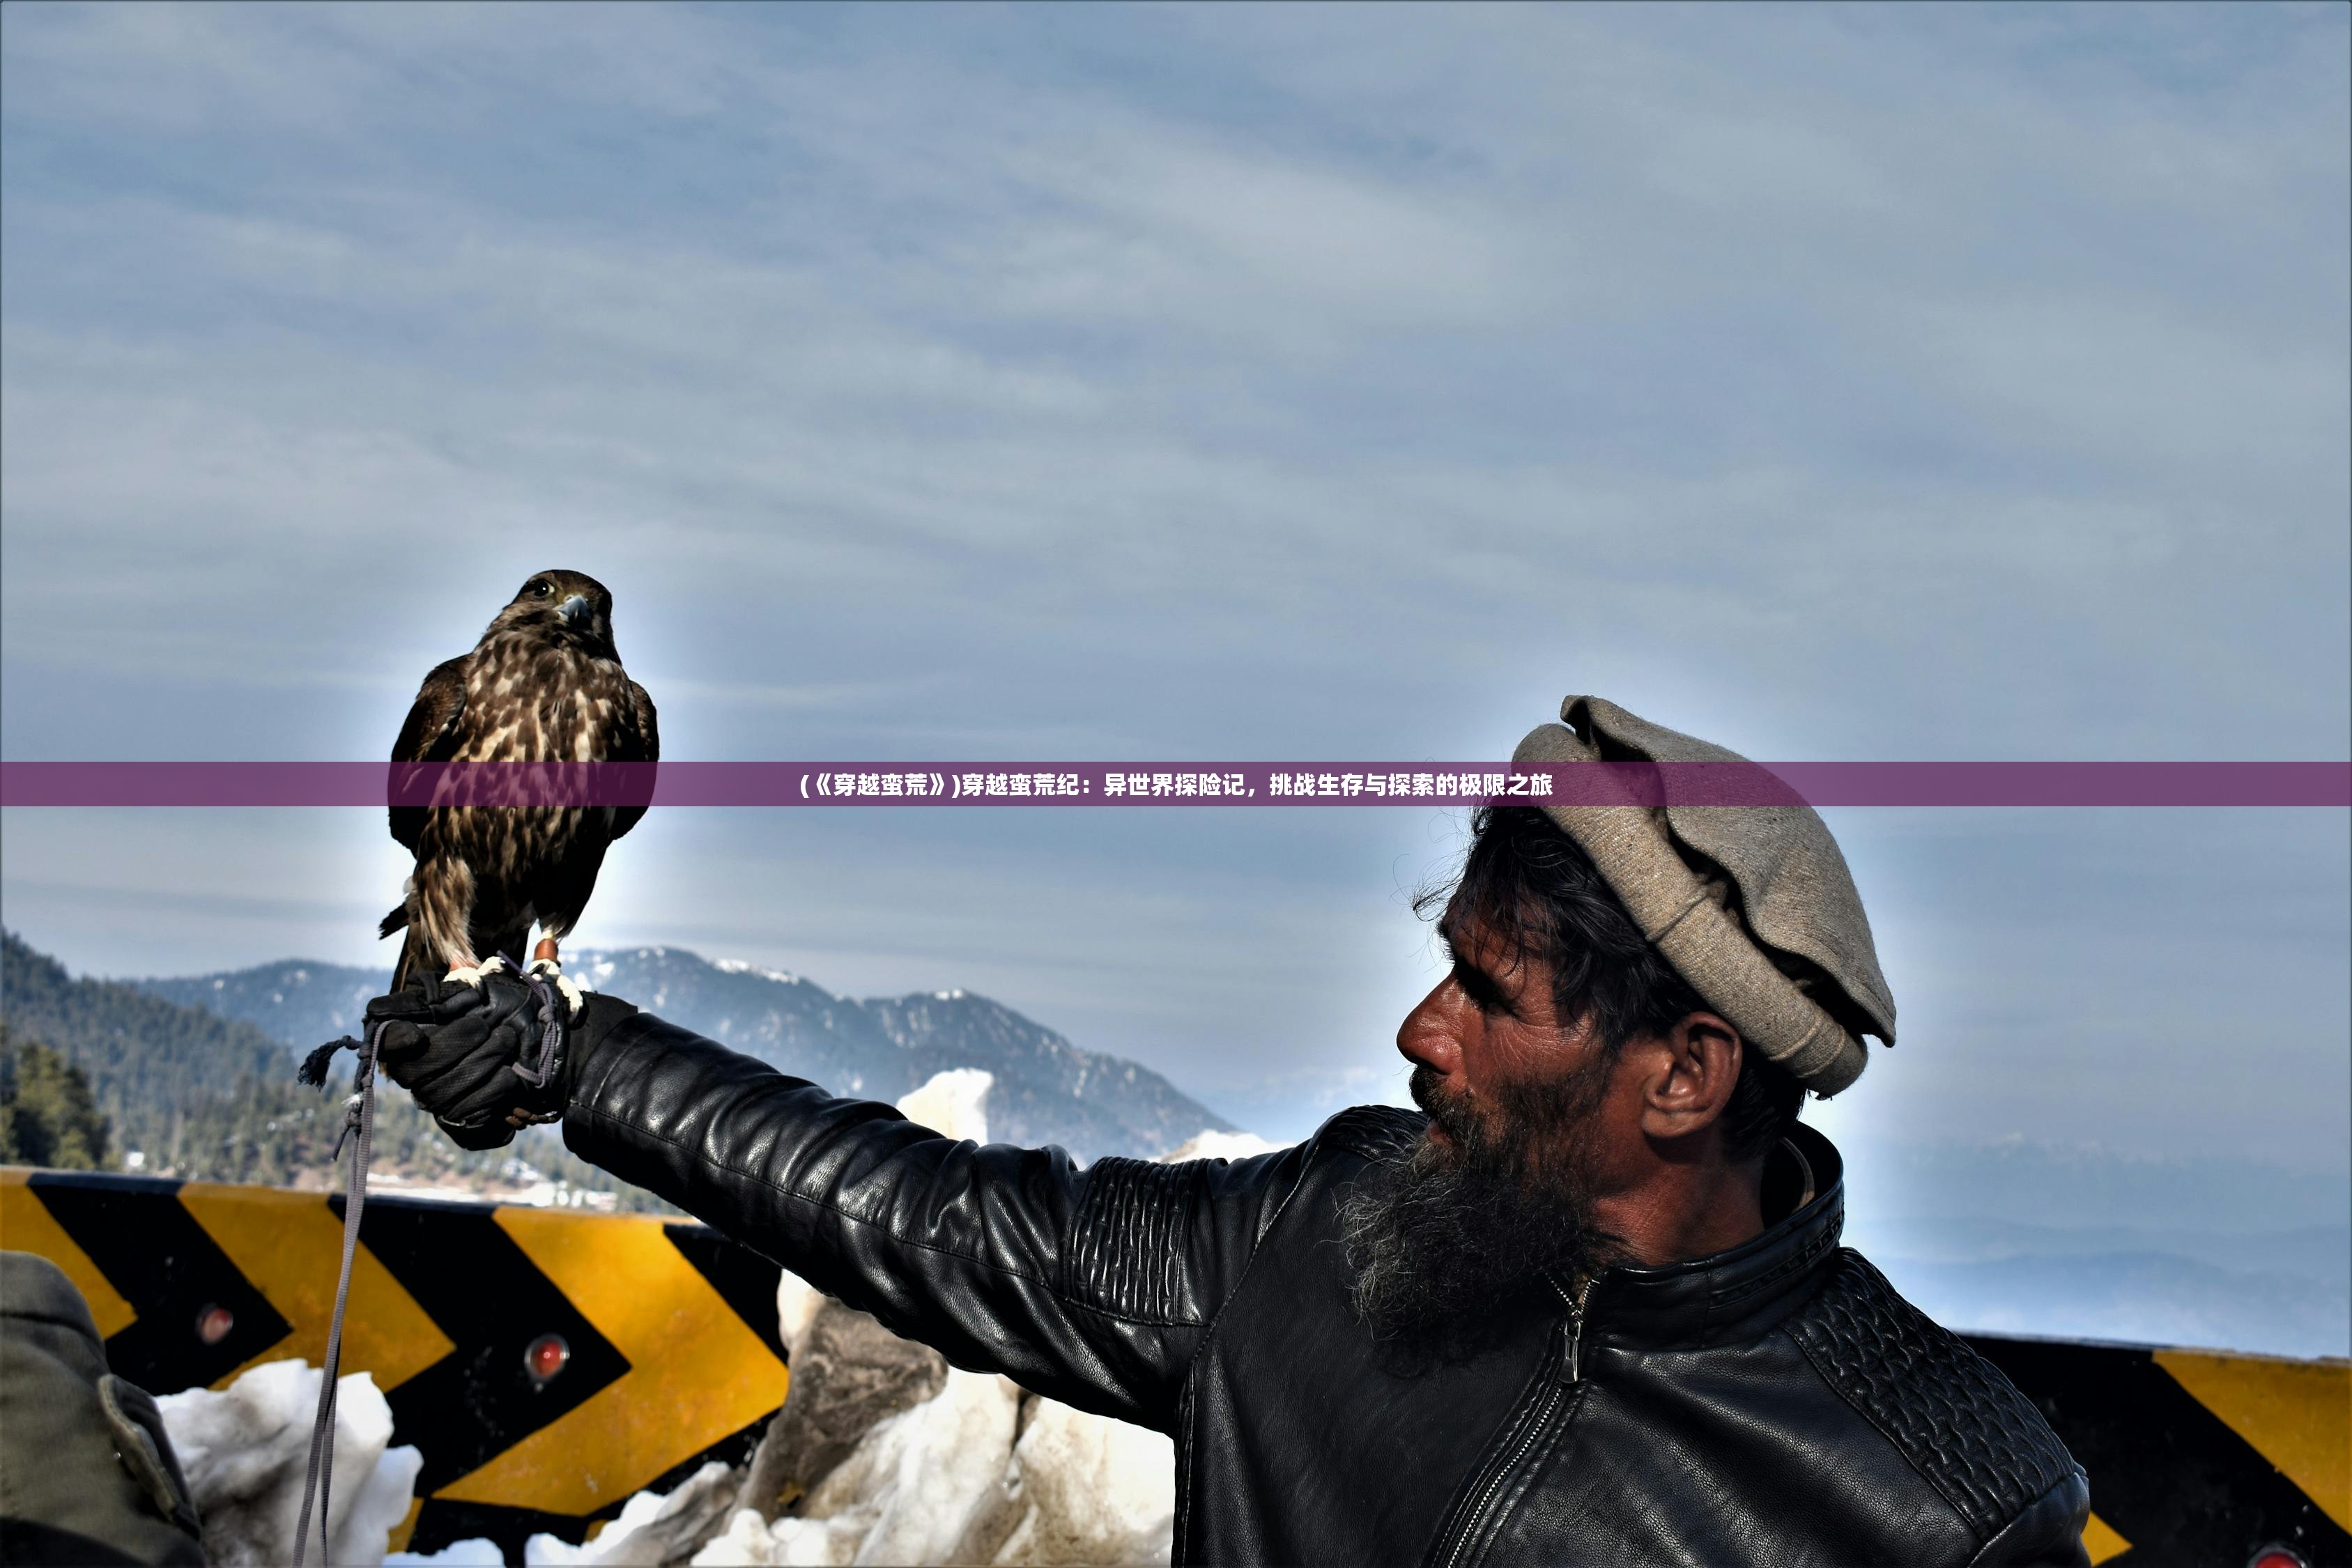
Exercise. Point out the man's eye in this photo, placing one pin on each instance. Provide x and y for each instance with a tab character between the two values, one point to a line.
1482	995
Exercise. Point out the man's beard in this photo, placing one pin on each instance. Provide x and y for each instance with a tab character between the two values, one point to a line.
1442	1239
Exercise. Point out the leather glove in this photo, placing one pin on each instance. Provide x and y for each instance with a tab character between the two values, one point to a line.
469	1054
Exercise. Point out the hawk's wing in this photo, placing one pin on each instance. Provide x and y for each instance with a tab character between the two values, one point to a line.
429	735
641	743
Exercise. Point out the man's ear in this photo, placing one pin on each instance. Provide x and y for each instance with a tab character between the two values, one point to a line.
1691	1076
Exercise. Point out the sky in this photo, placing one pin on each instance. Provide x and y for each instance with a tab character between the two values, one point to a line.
1862	382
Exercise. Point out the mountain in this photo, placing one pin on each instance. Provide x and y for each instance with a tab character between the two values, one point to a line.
2146	1297
2019	1235
152	1064
2320	1254
1047	1090
190	1091
2081	1184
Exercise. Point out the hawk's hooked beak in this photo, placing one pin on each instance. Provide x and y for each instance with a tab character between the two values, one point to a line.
573	608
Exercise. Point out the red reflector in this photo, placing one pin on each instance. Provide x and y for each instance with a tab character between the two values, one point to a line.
213	1324
2277	1557
545	1357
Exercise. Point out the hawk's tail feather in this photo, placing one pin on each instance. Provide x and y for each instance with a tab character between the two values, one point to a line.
408	959
392	921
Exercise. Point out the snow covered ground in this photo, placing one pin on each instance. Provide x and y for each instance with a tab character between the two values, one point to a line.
244	1450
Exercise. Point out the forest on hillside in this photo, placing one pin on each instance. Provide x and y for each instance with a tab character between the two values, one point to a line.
98	1075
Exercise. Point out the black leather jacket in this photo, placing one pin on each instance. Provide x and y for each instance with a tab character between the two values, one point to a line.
1776	1404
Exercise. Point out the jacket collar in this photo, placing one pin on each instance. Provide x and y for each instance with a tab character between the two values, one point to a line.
1736	1295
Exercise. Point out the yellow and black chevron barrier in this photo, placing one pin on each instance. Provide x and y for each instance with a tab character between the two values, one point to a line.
550	1364
547	1363
2198	1456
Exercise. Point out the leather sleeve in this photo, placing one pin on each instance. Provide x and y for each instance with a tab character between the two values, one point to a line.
2047	1534
1094	1287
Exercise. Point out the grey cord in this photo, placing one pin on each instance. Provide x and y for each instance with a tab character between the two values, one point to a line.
359	1116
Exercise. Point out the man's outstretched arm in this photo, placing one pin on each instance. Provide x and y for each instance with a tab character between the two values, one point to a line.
1092	1286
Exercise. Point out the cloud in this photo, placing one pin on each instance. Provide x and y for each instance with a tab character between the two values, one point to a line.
1177	383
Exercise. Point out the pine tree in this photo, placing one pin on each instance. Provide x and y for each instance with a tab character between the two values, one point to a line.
48	1116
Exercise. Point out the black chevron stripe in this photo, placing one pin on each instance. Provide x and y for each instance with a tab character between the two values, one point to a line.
443	1521
485	1293
153	1252
744	1280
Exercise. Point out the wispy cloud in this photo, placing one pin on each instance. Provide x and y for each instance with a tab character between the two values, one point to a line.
1869	381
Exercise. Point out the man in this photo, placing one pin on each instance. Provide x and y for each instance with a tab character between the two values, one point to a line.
86	1471
1589	1309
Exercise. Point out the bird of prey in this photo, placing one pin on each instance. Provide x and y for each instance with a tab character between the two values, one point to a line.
544	684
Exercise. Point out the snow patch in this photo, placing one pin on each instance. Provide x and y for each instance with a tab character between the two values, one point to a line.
743	966
921	1486
1094	1490
1209	1144
245	1449
652	1529
953	1103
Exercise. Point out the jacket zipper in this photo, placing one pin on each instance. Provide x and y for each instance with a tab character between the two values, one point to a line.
1575	1320
1556	1390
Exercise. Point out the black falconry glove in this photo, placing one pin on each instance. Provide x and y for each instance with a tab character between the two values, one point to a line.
486	1059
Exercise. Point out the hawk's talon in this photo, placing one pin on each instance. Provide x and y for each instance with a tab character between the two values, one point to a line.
474	977
575	1000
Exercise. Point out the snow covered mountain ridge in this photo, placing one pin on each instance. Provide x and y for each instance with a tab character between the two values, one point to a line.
1047	1090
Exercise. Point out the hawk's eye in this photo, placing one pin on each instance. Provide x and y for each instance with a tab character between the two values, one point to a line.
542	589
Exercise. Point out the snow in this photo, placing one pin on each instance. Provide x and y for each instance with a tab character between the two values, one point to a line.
245	1449
744	966
1206	1144
652	1529
949	1482
1095	1490
952	1103
922	1478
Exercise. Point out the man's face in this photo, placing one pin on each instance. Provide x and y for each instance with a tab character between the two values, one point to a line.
1490	1052
1498	1198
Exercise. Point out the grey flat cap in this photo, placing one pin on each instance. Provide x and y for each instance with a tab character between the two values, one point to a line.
1753	905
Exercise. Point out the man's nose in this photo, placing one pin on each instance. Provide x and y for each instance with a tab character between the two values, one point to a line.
1430	1035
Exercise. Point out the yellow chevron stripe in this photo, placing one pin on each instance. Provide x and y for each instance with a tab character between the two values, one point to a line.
26	1226
2296	1413
2100	1540
698	1373
289	1246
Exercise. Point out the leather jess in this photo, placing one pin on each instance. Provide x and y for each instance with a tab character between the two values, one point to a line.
1775	1404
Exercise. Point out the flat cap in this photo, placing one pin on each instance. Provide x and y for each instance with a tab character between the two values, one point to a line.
1753	905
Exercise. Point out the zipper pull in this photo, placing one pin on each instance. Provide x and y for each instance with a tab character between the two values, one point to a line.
1571	1327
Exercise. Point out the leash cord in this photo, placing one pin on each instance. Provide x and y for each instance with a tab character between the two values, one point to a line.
359	1117
550	1036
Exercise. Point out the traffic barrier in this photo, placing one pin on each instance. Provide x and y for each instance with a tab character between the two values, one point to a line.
549	1363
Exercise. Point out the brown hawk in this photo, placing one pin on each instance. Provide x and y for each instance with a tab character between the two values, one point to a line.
544	684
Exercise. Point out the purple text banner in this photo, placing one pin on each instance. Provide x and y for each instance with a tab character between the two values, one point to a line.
968	784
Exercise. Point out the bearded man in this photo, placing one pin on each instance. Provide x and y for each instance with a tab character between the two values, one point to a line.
1588	1308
